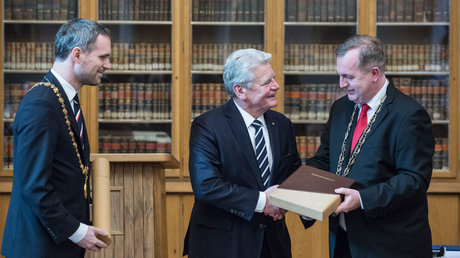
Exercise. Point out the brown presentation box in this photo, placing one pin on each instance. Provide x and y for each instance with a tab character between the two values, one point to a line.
310	192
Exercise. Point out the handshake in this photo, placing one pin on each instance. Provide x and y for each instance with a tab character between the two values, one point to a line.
275	212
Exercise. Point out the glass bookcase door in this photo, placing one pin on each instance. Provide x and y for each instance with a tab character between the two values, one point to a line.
29	29
416	37
220	27
134	102
313	30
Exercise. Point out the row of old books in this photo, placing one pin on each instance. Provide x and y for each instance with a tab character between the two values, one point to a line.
415	57
207	96
135	100
148	142
412	10
125	56
430	93
14	92
141	56
307	146
441	154
310	101
400	57
228	10
28	55
211	57
310	57
138	10
313	101
320	10
40	9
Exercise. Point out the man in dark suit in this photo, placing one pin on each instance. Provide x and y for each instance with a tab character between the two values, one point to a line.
49	212
232	216
386	215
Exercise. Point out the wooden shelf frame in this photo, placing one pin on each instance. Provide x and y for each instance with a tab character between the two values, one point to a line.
274	40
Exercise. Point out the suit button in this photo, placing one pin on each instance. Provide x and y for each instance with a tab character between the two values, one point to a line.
262	226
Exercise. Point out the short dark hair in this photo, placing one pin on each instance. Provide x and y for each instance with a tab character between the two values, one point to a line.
77	32
371	51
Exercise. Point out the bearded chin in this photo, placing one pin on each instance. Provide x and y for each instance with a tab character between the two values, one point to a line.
90	81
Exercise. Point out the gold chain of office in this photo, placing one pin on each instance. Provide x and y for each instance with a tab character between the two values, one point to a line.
361	140
84	169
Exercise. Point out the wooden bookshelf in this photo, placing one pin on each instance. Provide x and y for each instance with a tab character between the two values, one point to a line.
291	37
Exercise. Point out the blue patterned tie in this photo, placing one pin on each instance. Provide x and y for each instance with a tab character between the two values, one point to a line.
78	118
261	152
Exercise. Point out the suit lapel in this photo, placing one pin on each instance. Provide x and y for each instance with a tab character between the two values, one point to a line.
73	123
273	132
240	133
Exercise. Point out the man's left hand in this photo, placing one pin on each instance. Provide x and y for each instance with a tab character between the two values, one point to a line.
350	202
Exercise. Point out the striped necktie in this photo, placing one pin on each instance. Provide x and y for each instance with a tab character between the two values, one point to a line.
78	118
261	152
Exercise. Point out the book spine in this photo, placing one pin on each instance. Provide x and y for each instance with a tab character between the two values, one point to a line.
64	10
303	114
40	10
140	103
351	10
148	101
295	101
331	10
7	13
291	10
113	101
55	13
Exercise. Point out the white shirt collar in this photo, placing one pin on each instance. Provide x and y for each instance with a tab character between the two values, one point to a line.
248	119
70	91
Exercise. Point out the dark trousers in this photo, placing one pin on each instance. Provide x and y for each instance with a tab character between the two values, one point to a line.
342	248
265	253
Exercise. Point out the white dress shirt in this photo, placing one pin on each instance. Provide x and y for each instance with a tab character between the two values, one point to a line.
248	119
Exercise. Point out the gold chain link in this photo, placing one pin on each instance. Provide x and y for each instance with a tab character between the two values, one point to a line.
361	140
84	169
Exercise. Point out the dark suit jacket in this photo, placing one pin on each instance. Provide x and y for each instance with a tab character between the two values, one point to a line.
392	171
47	201
226	182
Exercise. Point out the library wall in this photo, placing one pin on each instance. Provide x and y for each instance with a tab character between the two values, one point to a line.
166	70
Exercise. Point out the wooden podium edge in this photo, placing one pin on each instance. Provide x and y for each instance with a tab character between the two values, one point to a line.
165	159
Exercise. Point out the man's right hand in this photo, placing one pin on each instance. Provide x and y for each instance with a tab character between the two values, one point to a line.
90	241
273	211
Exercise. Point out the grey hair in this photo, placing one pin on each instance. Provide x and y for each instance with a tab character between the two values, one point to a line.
238	68
371	51
77	32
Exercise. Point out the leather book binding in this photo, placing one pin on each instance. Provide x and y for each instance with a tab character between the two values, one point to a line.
310	192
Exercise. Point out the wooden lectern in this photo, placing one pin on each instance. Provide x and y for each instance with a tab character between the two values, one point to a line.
137	204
